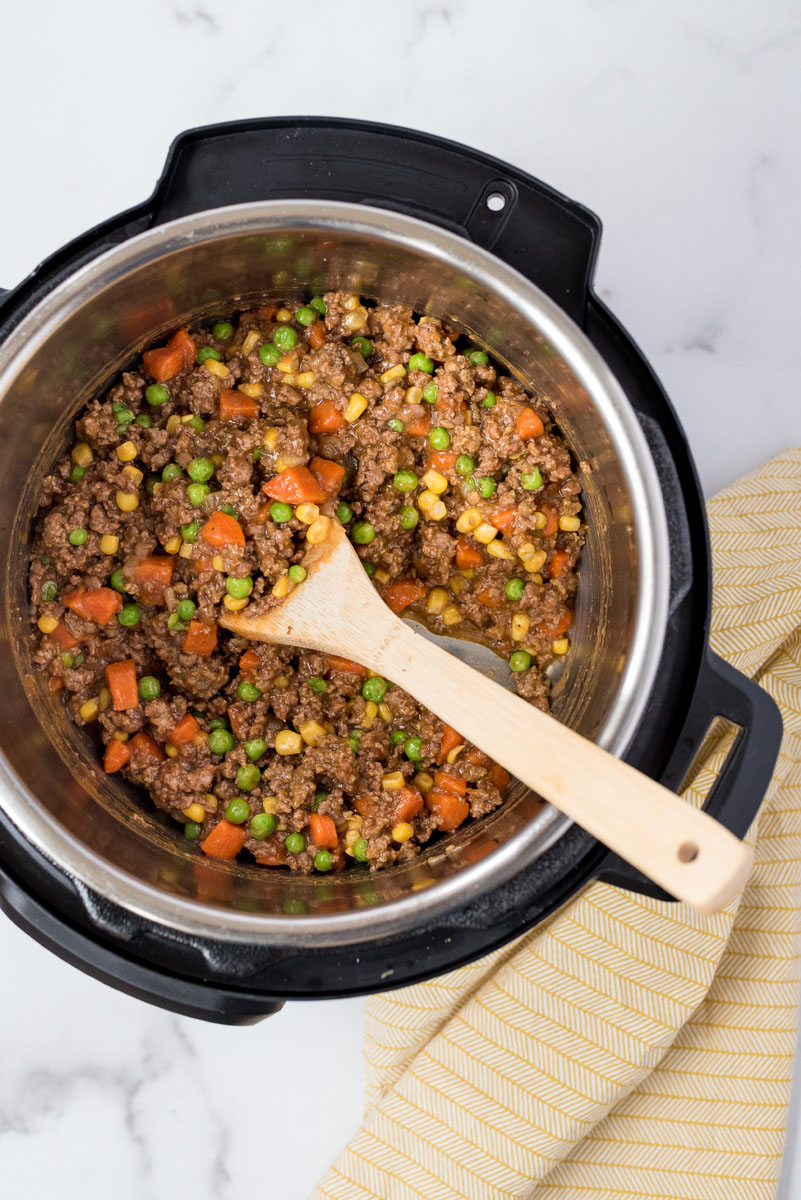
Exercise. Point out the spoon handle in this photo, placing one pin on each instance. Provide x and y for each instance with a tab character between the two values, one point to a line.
687	852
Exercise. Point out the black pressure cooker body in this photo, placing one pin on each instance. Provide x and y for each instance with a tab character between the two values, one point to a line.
553	242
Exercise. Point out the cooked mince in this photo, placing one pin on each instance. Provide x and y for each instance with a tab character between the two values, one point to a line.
192	487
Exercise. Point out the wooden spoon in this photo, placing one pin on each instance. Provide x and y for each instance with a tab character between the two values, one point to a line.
338	611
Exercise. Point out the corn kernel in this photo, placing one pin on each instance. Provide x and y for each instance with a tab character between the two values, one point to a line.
217	563
355	407
170	750
121	736
186	550
431	506
252	339
569	524
104	699
485	533
354	821
351	838
498	549
216	368
254	390
457	584
280	681
288	363
356	320
350	303
235	605
318	531
269	804
47	624
109	543
468	417
370	714
453	754
90	709
532	557
307	513
126	452
423	781
173	423
393	373
436	601
393	781
302	379
127	501
414	395
385	712
540	521
537	578
435	481
382	576
520	625
451	615
311	732
82	454
282	587
283	315
288	742
194	812
172	546
402	831
560	646
132	473
157	488
469	520
211	800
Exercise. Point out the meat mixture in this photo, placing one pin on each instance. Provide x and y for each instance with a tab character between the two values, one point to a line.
197	484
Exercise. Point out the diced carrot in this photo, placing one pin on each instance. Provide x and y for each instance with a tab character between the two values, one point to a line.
55	683
450	783
266	312
323	831
325	417
558	564
347	665
225	840
504	520
236	406
365	807
407	805
184	731
329	475
153	574
419	426
116	756
559	627
295	485
164	363
441	460
447	809
475	756
529	425
186	344
450	740
203	562
551	523
270	853
121	678
249	662
64	638
467	555
316	335
222	529
100	605
200	639
488	598
499	777
144	743
403	592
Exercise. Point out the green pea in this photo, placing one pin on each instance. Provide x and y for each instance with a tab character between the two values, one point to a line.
170	471
439	438
149	687
305	316
296	843
520	660
175	622
421	362
196	424
196	493
122	415
189	532
317	685
405	481
186	610
399	735
430	393
357	734
395	425
318	799
363	345
269	354
514	588
319	305
297	573
375	689
262	825
192	830
344	512
200	469
117	581
145	420
77	537
221	741
247	777
360	850
285	338
477	357
465	465
230	511
77	660
255	455
239	588
363	533
218	723
237	811
77	474
45	560
490	400
413	749
531	480
222	331
49	591
255	748
248	691
280	512
409	517
369	568
156	394
323	860
150	485
129	615
207	352
486	486
67	659
353	743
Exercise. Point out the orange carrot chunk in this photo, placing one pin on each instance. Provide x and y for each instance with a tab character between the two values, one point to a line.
419	426
329	475
164	363
335	663
557	567
153	574
121	677
447	809
408	804
488	599
116	756
450	740
529	425
499	776
225	841
402	593
467	555
187	345
64	638
236	406
551	523
316	335
222	529
146	745
295	485
442	460
100	605
249	662
323	831
325	417
505	520
559	627
450	783
200	639
184	731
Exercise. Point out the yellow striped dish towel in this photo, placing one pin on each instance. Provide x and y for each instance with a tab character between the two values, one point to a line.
628	1047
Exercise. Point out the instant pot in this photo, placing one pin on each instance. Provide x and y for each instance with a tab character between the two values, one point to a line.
282	208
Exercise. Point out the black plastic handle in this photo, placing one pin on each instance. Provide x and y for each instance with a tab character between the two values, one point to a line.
549	238
742	781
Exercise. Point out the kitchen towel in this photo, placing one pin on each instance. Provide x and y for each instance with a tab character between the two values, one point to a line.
628	1047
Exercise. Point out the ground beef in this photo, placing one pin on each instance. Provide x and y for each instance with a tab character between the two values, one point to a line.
158	517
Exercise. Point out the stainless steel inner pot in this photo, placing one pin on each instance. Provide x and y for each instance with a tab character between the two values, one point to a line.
69	348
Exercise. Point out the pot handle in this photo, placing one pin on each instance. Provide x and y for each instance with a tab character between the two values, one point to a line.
550	239
737	793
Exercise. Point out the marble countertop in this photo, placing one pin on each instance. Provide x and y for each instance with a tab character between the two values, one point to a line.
678	124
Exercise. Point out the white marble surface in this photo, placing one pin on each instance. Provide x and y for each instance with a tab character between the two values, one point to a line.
678	123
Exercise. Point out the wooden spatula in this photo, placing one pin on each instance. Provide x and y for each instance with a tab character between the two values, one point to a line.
337	610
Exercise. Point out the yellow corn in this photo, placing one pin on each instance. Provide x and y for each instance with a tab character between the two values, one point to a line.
436	601
354	821
302	379
127	501
288	362
47	624
200	738
104	699
90	708
431	506
82	454
280	681
569	524
485	533
288	742
126	452
469	520
282	587
500	550
355	407
216	368
288	460
318	531
453	754
254	390
350	302
393	781
173	423
235	605
252	339
457	584
269	804
170	750
311	732
307	513
194	812
283	315
468	417
110	543
370	714
402	831
121	736
186	550
539	521
467	573
451	615
414	395
423	781
132	473
560	646
172	546
532	556
520	624
435	481
356	320
187	417
351	838
382	576
393	373
385	712
537	577
217	562
211	800
271	437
